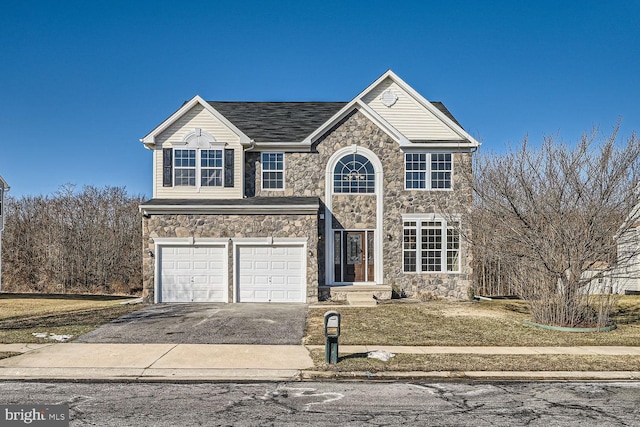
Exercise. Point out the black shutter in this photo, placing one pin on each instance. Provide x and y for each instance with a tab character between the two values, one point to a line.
167	167
228	167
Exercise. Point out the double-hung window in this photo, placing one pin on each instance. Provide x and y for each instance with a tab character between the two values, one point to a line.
198	161
197	165
272	171
428	171
211	168
184	167
431	245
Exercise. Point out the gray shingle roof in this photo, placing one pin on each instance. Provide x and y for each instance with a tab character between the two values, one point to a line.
249	201
277	121
284	121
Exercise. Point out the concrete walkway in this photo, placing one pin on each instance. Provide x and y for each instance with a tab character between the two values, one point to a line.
230	362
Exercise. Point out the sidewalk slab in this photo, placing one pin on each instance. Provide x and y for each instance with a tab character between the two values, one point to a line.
231	356
50	373
220	375
22	347
613	350
70	355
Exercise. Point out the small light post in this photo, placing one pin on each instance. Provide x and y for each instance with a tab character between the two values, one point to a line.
4	187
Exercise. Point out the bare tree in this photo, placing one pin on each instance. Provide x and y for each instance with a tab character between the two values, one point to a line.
87	241
551	217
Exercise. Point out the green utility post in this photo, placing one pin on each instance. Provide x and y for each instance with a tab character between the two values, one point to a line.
331	333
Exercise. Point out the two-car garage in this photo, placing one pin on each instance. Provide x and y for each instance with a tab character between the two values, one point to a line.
192	271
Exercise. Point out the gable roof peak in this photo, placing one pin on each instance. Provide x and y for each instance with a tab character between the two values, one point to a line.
150	139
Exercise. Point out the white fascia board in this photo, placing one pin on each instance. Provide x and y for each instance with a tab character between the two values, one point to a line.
331	122
3	184
467	140
383	124
268	241
344	111
230	210
434	146
179	241
150	139
429	106
430	217
394	133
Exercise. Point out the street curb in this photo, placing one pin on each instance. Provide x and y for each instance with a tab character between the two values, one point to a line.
472	376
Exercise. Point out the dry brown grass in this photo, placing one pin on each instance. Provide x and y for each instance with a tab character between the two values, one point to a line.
485	323
476	362
21	315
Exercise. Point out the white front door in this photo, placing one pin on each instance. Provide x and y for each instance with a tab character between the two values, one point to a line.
271	273
193	274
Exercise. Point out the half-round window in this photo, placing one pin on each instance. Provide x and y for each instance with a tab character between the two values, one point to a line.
354	174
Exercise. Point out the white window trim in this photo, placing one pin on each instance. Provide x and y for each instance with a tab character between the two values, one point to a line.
418	218
213	146
365	254
270	170
333	184
184	168
328	222
427	170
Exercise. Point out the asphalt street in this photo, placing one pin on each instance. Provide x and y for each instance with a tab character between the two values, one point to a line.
255	323
337	403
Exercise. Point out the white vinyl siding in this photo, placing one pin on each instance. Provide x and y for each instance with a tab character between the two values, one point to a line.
198	117
412	119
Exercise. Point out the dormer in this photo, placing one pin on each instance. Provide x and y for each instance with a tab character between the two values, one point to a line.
198	154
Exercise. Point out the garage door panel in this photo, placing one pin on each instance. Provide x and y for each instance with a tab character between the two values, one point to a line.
271	274
183	251
192	274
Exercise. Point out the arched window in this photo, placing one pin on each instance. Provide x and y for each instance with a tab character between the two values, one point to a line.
354	174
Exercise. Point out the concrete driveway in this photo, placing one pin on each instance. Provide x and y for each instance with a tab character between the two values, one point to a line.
281	324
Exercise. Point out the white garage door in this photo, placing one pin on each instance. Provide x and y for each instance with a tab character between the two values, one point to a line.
193	274
271	274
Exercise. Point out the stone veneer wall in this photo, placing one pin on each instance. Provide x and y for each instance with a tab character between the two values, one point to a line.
305	176
231	226
354	212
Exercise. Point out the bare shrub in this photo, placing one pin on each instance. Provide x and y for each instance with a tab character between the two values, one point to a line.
426	296
551	219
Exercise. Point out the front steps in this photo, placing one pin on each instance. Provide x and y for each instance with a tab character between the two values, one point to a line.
356	295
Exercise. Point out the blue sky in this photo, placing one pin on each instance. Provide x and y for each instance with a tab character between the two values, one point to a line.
82	81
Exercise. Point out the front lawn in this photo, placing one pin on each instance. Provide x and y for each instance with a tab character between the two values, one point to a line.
484	323
22	315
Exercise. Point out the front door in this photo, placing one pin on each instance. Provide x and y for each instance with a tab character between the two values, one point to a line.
354	257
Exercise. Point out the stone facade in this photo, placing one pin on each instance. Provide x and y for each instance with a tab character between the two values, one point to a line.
354	212
305	176
231	226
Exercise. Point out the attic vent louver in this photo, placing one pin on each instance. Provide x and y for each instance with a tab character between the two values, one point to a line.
388	98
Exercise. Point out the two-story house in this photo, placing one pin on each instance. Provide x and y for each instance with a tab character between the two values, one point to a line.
299	201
